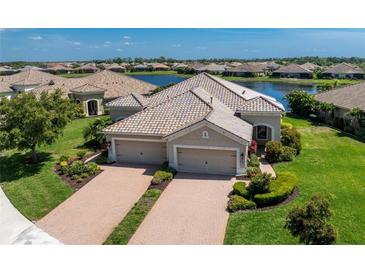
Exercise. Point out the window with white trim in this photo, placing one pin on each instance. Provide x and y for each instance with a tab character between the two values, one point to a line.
205	134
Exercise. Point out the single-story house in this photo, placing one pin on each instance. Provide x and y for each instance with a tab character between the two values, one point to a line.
87	68
293	71
213	68
159	66
203	124
58	69
342	71
116	67
141	67
271	66
92	91
246	70
7	71
310	66
344	98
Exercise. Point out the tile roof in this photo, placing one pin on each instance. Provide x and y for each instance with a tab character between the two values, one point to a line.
292	68
87	88
165	117
347	97
260	104
213	67
344	68
131	100
248	67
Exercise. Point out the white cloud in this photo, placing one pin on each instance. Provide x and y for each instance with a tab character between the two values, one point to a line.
119	49
128	43
201	48
76	43
127	37
37	37
107	42
176	45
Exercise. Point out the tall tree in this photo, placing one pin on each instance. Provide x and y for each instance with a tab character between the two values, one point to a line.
28	120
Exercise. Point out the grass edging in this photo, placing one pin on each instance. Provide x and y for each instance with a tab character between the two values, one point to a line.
128	226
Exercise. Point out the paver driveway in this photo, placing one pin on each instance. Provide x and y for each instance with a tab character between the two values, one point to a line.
191	210
90	215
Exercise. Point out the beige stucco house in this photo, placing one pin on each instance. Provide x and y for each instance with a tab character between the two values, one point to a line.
203	124
92	91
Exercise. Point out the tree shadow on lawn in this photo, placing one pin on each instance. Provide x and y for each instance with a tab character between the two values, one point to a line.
341	133
18	165
89	145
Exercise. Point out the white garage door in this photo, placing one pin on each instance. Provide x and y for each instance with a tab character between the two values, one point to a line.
208	161
140	152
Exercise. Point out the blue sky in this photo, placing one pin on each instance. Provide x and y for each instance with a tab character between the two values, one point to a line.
88	44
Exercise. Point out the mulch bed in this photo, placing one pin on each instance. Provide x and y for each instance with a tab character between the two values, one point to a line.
290	198
160	186
72	183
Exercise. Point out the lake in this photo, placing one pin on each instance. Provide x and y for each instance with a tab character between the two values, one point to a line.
276	90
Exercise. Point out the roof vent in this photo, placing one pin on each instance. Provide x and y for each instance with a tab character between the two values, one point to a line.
243	92
51	83
211	100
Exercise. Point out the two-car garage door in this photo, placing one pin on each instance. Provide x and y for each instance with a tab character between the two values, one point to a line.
210	161
140	152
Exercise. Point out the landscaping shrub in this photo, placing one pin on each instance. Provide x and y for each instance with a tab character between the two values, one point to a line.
279	190
287	153
291	137
260	184
92	168
253	147
239	188
81	154
254	161
252	171
165	167
273	151
94	131
286	125
237	202
310	223
161	176
63	158
63	163
78	168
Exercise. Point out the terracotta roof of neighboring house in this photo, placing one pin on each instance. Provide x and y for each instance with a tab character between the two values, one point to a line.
142	66
248	68
310	66
196	65
87	88
272	65
180	65
115	84
232	95
213	68
31	68
131	100
189	107
234	64
344	68
292	68
348	97
26	77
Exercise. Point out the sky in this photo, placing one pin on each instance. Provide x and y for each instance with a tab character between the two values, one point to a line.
92	44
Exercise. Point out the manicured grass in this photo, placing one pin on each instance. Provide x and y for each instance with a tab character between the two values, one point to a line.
331	163
128	226
35	189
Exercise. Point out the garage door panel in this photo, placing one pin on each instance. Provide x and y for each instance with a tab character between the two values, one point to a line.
209	161
140	152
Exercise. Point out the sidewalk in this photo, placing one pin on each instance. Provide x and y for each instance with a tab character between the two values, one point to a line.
266	167
16	229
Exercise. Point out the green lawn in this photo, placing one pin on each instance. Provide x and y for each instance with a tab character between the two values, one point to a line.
331	163
128	226
35	189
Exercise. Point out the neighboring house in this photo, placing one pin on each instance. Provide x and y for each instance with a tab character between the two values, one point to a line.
92	91
246	70
126	106
159	67
342	71
271	66
87	68
7	71
293	71
116	67
310	66
213	68
203	124
141	67
58	69
344	98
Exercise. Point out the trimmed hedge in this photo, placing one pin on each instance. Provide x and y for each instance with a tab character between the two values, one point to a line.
254	161
237	202
239	188
161	176
291	137
273	151
252	171
280	189
287	153
286	125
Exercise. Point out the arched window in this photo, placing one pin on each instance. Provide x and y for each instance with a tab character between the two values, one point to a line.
205	134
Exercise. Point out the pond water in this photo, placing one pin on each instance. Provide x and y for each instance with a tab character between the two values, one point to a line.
276	90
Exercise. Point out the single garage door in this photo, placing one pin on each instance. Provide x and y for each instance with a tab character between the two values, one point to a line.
210	161
140	152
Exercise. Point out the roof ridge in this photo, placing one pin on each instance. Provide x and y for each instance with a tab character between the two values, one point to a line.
134	94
